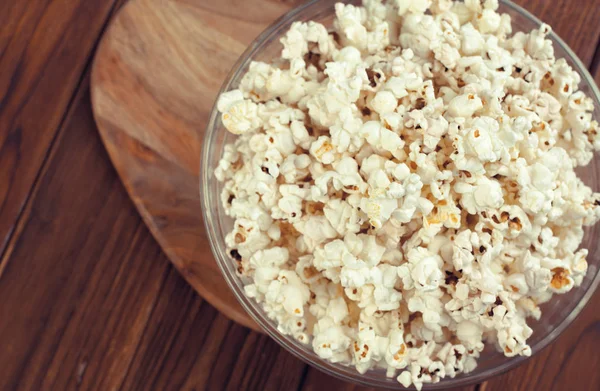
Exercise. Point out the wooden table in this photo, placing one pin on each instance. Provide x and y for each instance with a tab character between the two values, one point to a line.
87	298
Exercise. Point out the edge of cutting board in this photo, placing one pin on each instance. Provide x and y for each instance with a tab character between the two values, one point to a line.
155	76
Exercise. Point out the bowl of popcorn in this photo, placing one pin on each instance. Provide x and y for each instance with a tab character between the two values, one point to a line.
402	193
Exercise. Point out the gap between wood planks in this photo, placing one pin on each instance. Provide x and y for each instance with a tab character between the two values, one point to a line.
595	64
303	378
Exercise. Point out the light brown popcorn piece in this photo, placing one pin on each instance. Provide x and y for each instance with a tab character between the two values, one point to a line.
560	278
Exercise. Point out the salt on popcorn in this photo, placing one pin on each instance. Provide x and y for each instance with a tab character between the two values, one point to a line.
403	187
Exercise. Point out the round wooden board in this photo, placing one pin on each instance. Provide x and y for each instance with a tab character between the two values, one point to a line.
155	77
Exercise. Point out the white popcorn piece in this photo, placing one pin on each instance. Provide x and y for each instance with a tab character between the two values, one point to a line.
239	116
469	333
330	341
322	150
381	138
405	379
472	42
384	102
403	188
426	269
465	105
349	22
482	195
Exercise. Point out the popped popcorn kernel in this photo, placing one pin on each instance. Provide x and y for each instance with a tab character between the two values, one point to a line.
560	278
403	185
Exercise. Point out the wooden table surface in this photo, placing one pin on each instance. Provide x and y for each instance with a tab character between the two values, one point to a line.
87	298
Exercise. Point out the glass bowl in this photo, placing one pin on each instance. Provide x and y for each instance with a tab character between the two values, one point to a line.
557	314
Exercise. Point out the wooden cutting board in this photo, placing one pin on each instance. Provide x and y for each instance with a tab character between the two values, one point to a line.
155	77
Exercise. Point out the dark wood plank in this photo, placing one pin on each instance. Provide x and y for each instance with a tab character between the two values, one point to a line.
264	365
595	66
179	326
18	20
213	363
316	380
188	345
84	274
44	48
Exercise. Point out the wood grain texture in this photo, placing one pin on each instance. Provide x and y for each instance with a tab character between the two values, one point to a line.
81	305
88	301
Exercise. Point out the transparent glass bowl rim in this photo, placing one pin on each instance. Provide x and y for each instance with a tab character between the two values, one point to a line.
348	373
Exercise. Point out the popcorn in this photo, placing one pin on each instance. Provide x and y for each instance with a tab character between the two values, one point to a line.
426	269
403	188
266	265
472	41
300	35
464	105
322	150
329	341
380	137
384	102
482	195
470	333
239	115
